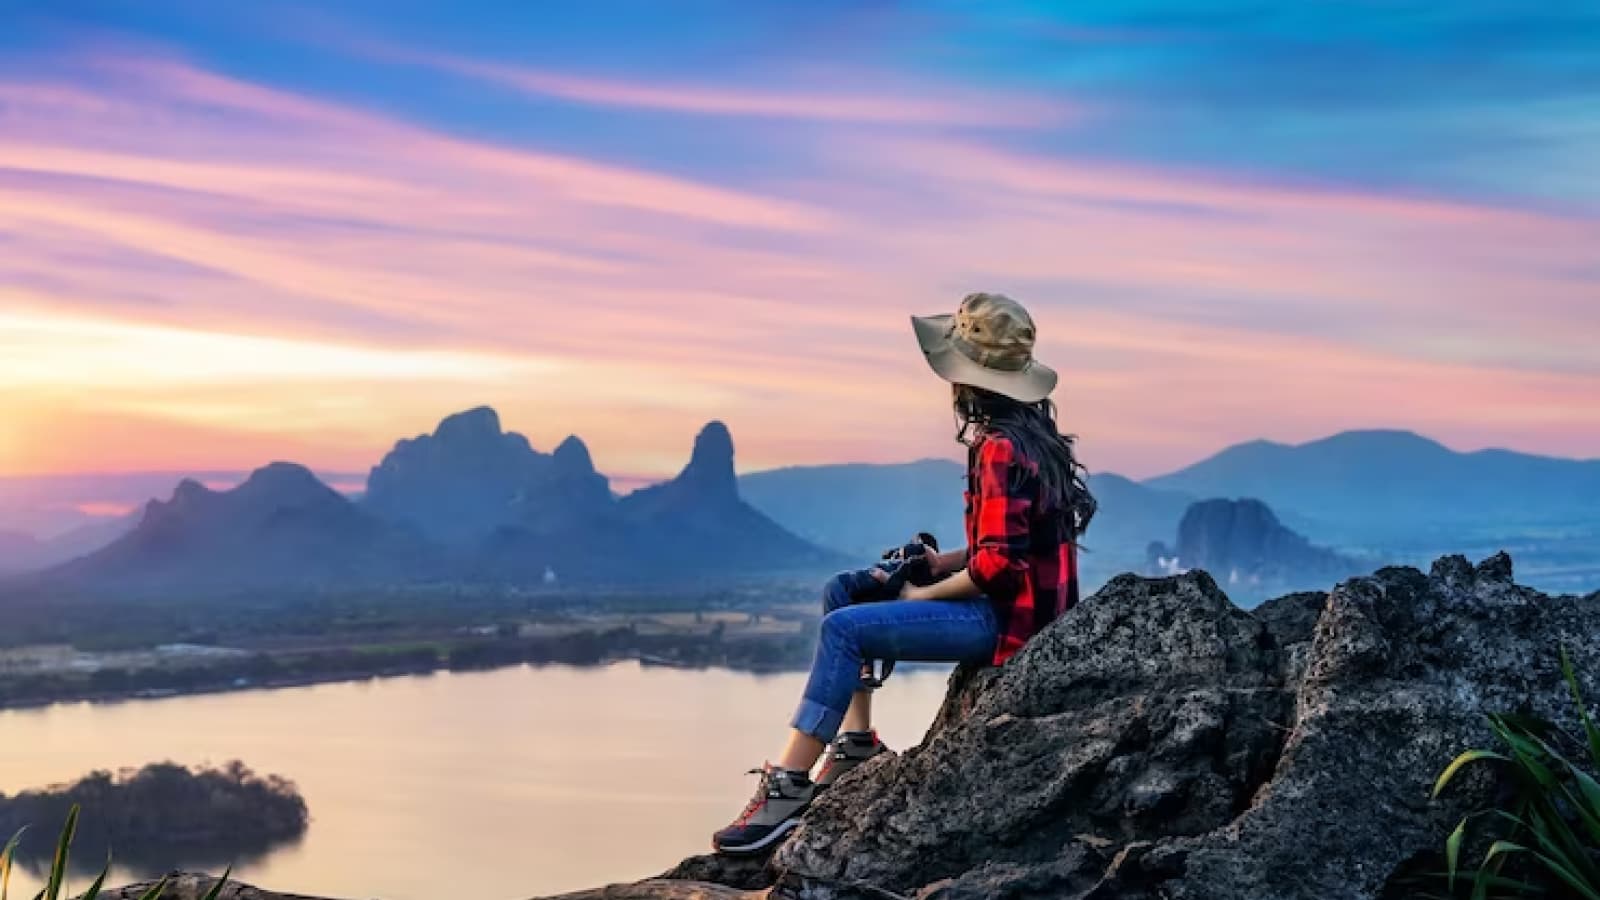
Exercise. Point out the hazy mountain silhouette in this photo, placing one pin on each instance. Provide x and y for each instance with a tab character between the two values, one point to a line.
1394	483
469	478
282	526
861	508
472	502
468	502
700	517
49	505
17	550
695	525
1249	552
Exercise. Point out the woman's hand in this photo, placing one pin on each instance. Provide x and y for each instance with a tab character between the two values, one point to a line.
908	591
947	562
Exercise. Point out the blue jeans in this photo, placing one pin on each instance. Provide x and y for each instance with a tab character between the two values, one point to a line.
910	630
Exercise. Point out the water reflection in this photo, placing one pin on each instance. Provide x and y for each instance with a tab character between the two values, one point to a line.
502	784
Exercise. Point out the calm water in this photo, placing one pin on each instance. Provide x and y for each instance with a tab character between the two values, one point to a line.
503	784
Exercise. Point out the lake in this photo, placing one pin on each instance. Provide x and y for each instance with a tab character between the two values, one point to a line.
505	784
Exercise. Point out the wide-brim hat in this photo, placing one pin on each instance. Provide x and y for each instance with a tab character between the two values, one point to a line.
987	343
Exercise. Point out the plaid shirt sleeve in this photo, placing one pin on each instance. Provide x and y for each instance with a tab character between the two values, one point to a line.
999	558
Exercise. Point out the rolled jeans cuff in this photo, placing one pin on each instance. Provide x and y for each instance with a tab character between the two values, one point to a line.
818	721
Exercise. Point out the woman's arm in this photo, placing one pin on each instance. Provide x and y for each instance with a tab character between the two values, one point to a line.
948	561
959	586
1001	518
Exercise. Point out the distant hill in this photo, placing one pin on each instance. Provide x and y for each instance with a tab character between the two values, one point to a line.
702	521
84	539
695	525
17	549
468	502
21	551
281	527
860	509
1393	483
1248	551
48	505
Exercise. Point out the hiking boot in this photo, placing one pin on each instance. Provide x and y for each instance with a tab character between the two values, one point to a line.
773	812
847	751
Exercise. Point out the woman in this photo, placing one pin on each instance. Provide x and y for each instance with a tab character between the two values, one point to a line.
1026	505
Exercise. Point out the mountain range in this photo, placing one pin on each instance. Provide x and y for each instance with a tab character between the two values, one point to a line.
468	502
281	527
863	508
471	501
1387	483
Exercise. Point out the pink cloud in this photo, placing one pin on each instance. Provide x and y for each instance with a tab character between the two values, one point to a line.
1186	310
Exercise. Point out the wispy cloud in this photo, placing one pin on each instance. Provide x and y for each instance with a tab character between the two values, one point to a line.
931	106
188	251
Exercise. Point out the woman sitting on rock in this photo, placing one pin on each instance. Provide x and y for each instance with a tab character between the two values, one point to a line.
1026	504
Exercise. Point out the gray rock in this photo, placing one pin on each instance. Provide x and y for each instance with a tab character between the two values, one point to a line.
1149	712
1159	742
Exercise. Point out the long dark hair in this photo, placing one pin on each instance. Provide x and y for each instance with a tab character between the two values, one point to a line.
1031	428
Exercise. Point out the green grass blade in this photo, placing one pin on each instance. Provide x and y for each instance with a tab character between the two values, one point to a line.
1577	883
6	855
1461	762
1589	729
1560	841
1496	852
58	868
156	890
216	888
94	889
1452	853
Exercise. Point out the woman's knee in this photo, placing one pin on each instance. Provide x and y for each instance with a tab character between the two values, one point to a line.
838	630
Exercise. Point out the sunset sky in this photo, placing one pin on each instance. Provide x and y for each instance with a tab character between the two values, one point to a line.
232	233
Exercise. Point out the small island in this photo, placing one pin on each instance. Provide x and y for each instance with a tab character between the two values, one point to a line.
160	816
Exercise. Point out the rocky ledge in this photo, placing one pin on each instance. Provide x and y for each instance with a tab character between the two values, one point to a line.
1159	742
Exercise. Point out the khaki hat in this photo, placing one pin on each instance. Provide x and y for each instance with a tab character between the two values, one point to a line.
988	344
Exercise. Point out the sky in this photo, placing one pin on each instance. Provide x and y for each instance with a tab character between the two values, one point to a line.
234	233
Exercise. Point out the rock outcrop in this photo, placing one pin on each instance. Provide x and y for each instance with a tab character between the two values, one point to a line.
1245	546
1159	742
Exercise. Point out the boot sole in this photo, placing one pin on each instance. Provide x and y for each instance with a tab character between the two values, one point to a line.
783	828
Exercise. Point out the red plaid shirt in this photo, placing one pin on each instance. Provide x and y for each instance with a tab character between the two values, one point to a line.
1022	558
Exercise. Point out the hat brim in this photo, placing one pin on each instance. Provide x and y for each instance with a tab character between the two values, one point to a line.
1029	385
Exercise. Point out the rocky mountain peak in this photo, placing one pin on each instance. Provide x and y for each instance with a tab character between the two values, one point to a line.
285	479
710	469
188	490
475	425
572	457
1245	546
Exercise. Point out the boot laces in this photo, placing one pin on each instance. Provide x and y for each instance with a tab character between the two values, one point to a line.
762	795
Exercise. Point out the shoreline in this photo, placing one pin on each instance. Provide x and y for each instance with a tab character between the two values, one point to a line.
233	686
